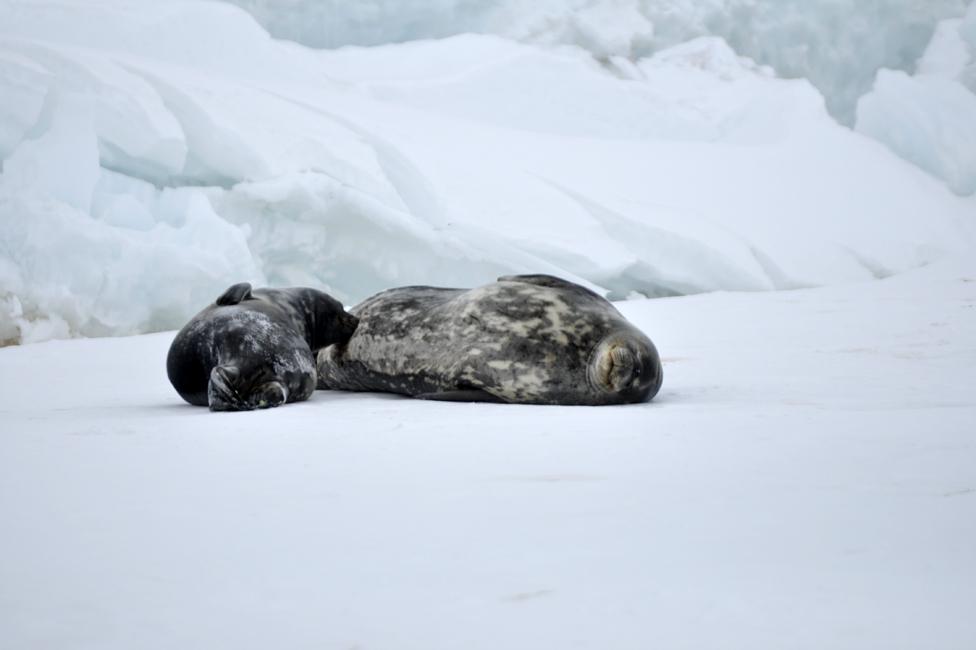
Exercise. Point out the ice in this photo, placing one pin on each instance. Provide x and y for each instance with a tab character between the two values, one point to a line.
88	251
96	277
948	54
836	44
968	30
699	114
930	118
58	158
805	479
169	165
333	23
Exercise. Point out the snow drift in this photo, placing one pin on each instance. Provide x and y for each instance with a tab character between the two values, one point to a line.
836	44
154	154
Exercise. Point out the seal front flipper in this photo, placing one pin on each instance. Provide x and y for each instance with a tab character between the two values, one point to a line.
465	395
222	393
231	389
235	294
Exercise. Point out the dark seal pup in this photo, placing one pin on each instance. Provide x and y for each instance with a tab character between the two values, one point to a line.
255	349
527	339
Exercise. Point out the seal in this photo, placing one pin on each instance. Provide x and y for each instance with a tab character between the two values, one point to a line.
255	349
525	339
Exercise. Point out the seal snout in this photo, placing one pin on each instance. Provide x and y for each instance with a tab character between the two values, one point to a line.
624	370
626	367
226	392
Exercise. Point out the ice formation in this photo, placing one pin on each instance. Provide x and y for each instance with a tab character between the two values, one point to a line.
836	44
147	165
930	118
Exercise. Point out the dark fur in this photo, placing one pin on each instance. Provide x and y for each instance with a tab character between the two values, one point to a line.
255	349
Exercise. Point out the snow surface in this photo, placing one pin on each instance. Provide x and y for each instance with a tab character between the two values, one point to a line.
806	479
838	45
147	165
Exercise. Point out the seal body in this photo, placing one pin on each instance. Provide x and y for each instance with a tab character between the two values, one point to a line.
255	349
531	339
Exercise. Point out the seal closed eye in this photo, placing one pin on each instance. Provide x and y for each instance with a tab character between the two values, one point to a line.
255	349
529	339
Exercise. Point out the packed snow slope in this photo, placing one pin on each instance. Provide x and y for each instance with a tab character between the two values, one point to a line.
154	153
837	44
806	479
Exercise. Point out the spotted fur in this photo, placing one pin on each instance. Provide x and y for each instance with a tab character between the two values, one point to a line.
524	339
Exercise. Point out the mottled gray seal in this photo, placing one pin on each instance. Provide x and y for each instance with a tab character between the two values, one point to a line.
530	339
255	349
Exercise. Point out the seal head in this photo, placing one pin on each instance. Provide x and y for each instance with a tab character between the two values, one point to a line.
626	367
255	349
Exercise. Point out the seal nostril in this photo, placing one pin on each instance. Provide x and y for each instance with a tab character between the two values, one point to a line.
271	394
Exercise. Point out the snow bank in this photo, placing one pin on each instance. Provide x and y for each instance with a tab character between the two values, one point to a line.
147	165
804	480
836	44
930	118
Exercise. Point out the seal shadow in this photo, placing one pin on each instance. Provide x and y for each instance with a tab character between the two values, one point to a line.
173	408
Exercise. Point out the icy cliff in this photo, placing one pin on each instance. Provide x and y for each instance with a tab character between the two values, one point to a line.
929	118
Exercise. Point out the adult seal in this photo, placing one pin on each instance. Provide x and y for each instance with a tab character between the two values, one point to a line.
255	349
525	339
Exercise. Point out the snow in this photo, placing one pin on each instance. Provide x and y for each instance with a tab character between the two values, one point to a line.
805	479
147	166
836	44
